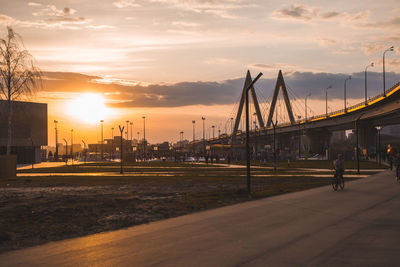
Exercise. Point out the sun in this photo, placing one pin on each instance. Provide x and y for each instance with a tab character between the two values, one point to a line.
89	108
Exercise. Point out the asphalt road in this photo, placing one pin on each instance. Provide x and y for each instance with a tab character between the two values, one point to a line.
357	226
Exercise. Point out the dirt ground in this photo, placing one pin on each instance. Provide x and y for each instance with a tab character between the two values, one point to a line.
36	210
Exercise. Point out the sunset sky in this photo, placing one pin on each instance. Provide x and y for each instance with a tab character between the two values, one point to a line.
175	61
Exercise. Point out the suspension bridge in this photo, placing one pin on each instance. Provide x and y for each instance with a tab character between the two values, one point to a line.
296	133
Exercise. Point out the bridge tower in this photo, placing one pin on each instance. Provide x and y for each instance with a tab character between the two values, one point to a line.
280	84
242	101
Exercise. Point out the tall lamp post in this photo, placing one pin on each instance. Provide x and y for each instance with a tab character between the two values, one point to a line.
131	124
231	126
112	143
365	79
102	140
193	122
345	81
66	151
72	144
213	127
378	149
55	127
305	103
144	136
384	85
299	117
326	99
204	139
127	130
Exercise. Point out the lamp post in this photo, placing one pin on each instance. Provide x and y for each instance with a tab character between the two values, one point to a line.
84	148
384	85
72	144
365	79
274	125
231	126
127	130
102	147
144	136
326	99
55	127
299	117
305	103
181	139
378	149
121	148
345	81
66	152
204	139
213	127
193	122
112	142
131	124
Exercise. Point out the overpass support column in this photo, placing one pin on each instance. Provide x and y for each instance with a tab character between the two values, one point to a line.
319	140
367	135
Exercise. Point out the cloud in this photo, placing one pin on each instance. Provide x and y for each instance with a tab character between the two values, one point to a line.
304	13
219	8
326	42
134	94
390	23
185	24
34	4
4	19
126	3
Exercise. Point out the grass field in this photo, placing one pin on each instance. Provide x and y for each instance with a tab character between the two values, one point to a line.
38	209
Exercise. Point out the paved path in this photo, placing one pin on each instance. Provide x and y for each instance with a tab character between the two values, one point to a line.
357	226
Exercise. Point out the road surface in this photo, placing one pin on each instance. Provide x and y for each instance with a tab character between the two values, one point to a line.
357	226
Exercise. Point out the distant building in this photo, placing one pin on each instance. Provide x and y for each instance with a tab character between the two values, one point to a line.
393	130
28	130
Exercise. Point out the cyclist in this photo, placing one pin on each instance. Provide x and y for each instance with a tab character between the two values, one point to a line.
338	165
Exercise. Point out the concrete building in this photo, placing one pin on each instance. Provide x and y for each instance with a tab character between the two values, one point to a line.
29	130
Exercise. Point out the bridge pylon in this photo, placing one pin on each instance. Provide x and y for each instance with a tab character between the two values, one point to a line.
242	101
280	84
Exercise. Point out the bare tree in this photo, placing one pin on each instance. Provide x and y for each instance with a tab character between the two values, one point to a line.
18	74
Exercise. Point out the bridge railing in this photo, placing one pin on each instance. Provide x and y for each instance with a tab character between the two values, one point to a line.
354	106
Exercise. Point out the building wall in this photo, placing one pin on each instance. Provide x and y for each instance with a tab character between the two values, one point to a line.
29	129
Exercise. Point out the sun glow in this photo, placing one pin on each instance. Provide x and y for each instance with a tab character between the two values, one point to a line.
89	108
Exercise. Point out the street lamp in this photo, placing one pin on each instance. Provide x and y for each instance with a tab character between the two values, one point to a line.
112	143
144	136
66	151
299	117
181	139
384	86
378	150
231	125
72	144
131	124
345	81
204	139
194	122
102	151
55	127
365	79
326	99
305	101
127	129
213	127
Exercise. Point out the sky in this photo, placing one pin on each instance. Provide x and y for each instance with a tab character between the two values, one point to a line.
174	61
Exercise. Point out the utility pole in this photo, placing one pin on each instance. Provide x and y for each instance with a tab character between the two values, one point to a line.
248	133
194	137
72	151
204	140
121	148
102	140
56	156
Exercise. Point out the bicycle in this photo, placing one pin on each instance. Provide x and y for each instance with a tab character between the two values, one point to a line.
338	181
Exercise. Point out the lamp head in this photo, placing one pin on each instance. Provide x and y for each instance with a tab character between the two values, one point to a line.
372	64
391	48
